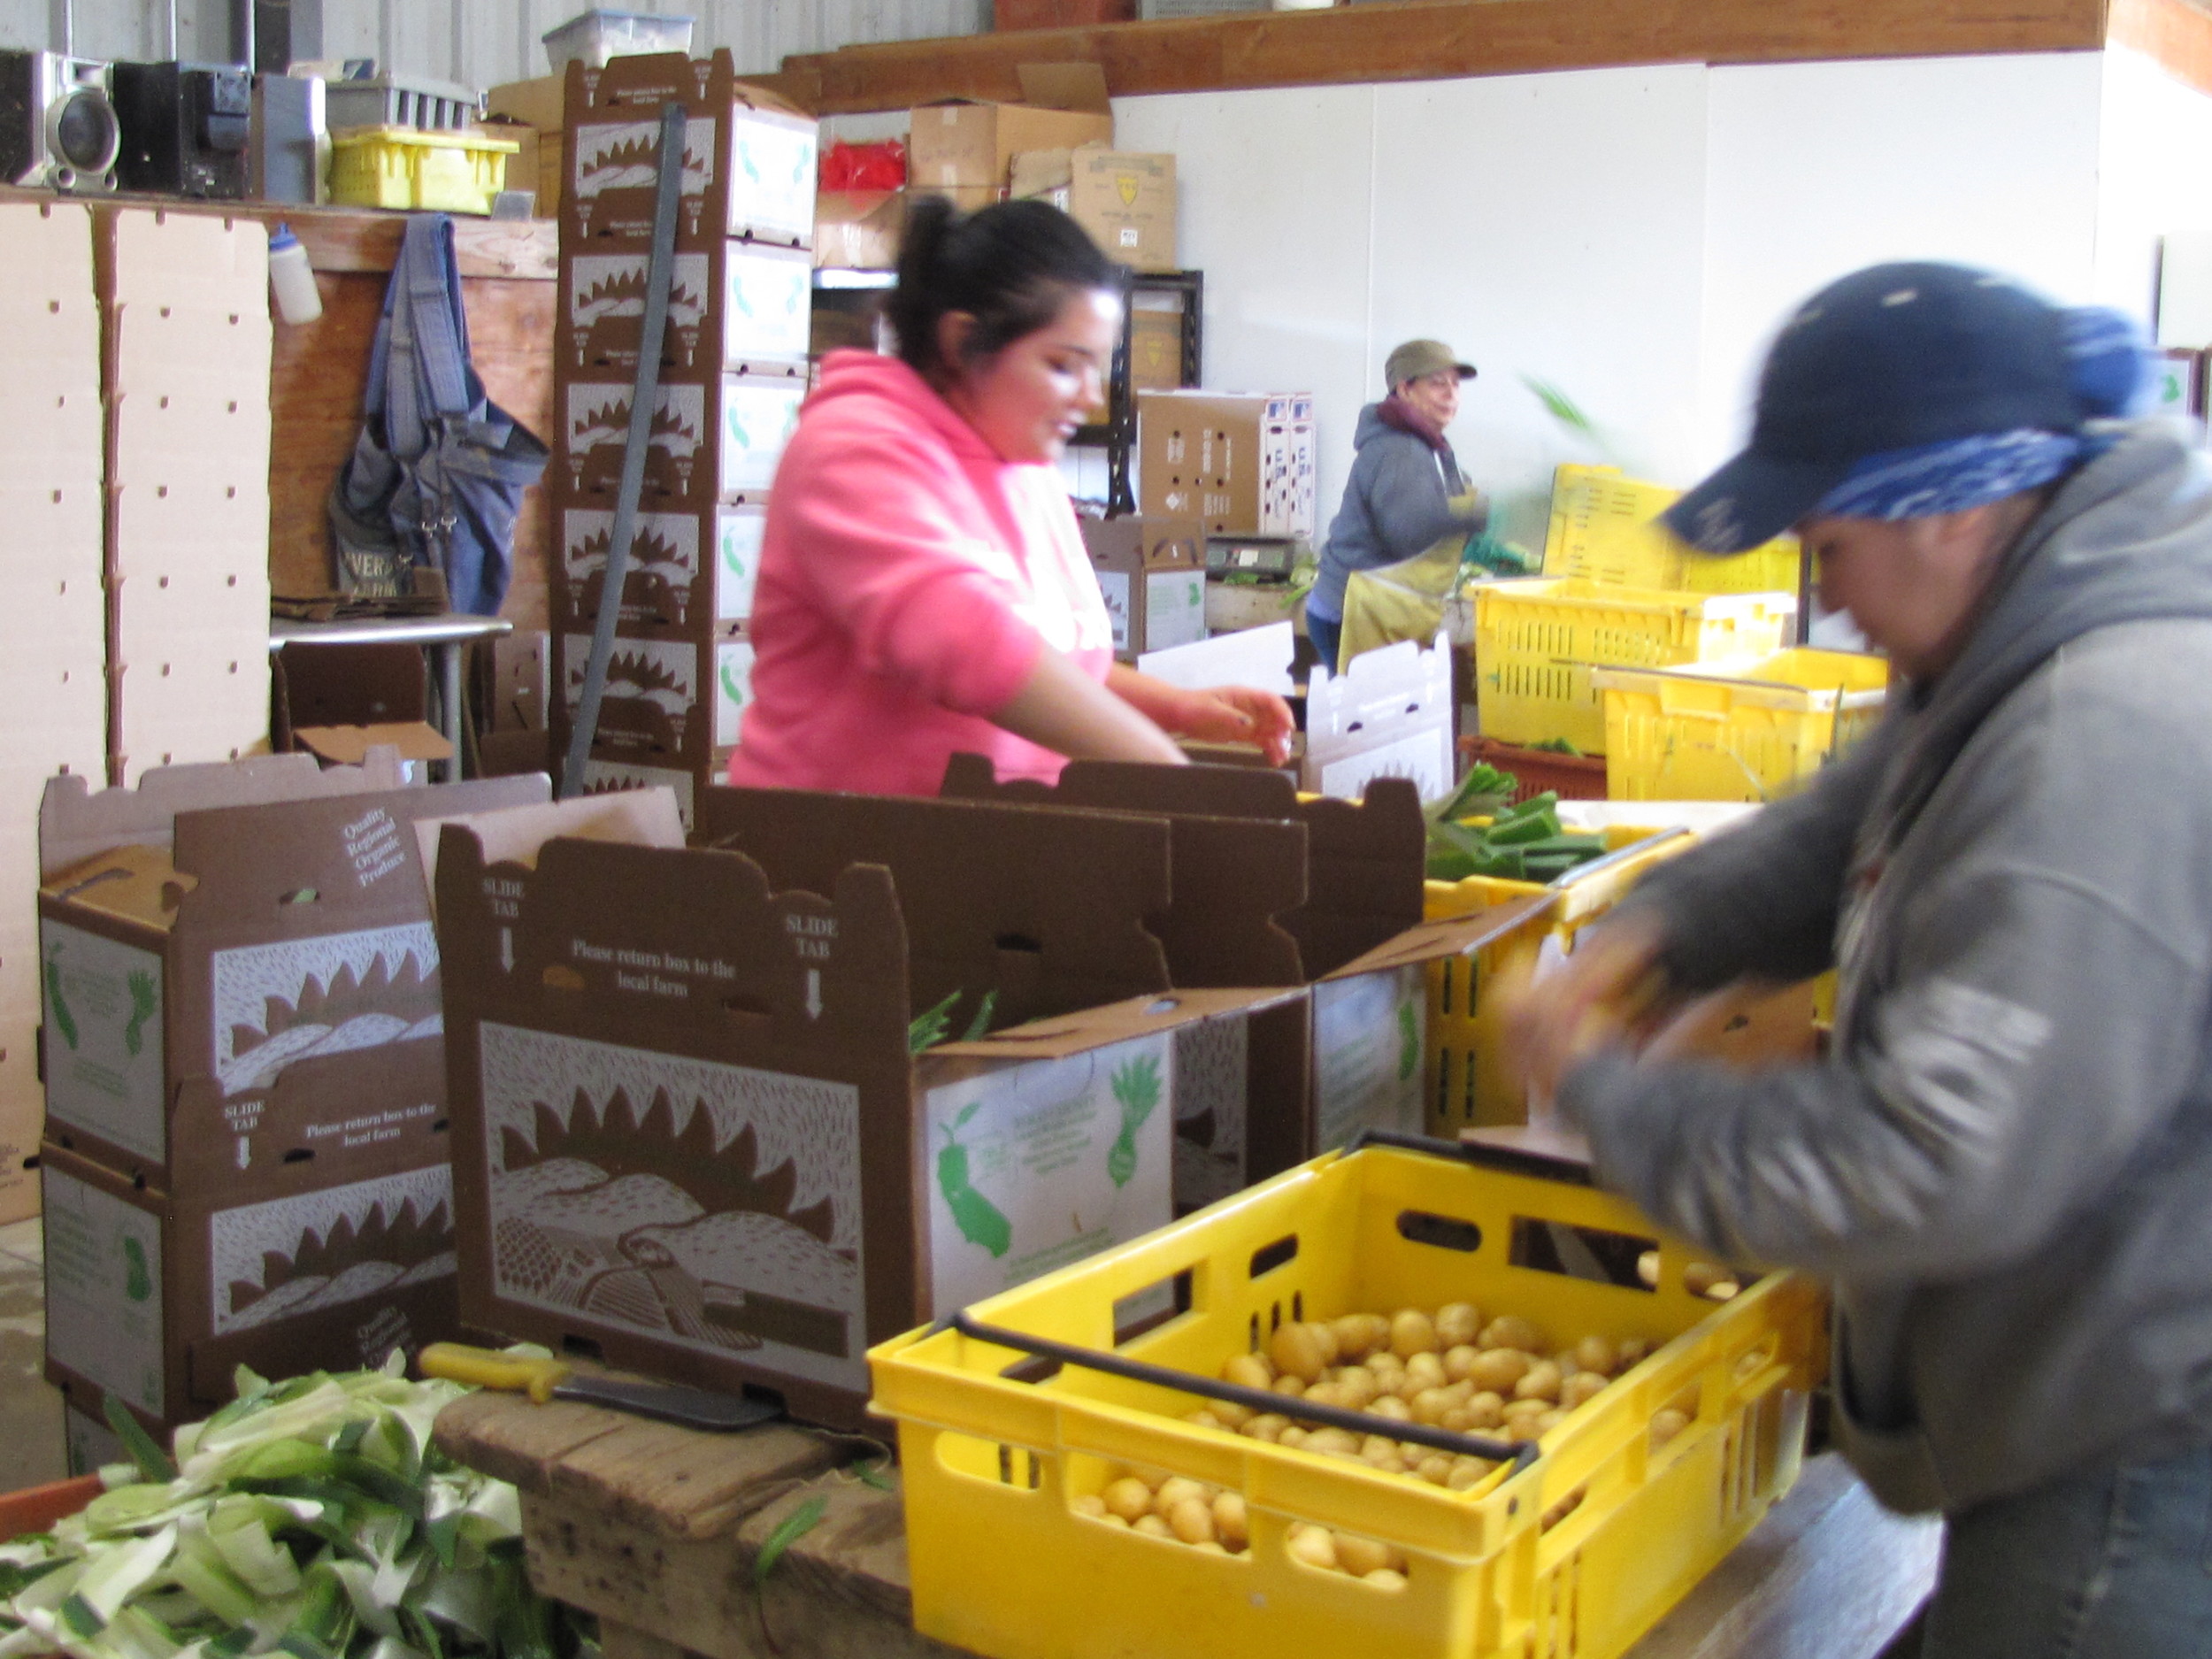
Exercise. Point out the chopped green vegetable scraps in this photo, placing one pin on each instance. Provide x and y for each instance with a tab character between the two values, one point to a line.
1523	843
312	1518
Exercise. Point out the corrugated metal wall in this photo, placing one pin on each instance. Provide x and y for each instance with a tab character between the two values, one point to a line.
484	41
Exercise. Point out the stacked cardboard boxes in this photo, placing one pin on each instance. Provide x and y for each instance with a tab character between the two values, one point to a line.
184	299
245	1158
1243	462
733	373
53	614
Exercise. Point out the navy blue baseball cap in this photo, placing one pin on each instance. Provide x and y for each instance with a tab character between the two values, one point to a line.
1889	358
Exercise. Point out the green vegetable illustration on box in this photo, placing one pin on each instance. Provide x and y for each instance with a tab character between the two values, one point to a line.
138	1281
732	686
1408	1043
64	1020
1137	1086
142	1005
979	1220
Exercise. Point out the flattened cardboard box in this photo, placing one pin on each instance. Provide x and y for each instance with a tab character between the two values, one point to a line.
690	1132
274	974
158	1298
748	157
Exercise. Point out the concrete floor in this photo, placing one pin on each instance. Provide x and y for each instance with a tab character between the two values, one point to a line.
31	1451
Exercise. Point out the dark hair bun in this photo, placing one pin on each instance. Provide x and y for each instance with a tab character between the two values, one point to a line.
1010	267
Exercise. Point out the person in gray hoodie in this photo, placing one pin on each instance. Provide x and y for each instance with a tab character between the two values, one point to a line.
1405	492
2004	1164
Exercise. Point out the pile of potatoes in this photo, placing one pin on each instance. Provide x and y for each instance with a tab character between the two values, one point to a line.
1447	1369
1212	1520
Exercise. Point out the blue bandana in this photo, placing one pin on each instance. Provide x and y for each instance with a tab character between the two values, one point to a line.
2109	363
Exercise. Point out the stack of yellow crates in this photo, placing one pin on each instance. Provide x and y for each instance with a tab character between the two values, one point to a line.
1678	668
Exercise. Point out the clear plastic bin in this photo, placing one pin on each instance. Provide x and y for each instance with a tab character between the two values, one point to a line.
598	35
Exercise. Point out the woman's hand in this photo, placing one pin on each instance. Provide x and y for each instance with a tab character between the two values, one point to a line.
1599	1000
1226	714
1238	714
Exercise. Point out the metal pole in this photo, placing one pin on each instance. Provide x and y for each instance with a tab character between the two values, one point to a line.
644	395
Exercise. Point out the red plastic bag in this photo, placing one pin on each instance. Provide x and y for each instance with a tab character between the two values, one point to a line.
864	166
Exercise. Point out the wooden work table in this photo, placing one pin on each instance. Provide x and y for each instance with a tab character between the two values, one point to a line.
655	1529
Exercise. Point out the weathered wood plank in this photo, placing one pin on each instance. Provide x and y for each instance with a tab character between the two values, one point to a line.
841	1590
1428	39
687	1485
487	1432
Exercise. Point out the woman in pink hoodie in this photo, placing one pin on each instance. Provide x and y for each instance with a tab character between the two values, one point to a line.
923	589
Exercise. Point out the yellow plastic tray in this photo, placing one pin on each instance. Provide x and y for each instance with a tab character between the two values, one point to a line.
1467	1083
404	166
1603	526
1737	730
1536	643
1004	1566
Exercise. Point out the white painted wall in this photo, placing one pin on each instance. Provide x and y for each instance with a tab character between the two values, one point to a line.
2154	179
1634	236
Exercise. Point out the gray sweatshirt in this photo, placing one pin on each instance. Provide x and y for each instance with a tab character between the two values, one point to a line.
2006	1164
1397	503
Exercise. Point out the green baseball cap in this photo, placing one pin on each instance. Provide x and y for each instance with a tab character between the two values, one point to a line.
1420	358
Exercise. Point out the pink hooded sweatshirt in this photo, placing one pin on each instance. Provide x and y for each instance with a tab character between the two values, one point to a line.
909	578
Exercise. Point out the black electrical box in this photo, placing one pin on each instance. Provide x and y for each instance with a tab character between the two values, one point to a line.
186	128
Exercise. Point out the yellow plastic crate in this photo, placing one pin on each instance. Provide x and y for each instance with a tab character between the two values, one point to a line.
1467	1083
1604	527
1572	1557
1745	729
404	166
1536	641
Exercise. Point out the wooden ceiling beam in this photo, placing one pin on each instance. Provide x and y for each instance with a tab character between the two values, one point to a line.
1409	40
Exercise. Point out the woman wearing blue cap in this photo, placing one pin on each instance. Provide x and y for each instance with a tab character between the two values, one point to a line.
2005	1163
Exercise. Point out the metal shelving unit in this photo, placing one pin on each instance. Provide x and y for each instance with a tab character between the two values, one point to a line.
1116	435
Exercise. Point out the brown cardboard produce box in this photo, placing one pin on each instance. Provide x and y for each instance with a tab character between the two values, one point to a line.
689	1133
335	1261
1243	462
239	982
1155	341
1344	894
859	230
749	155
1152	573
973	145
1124	198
